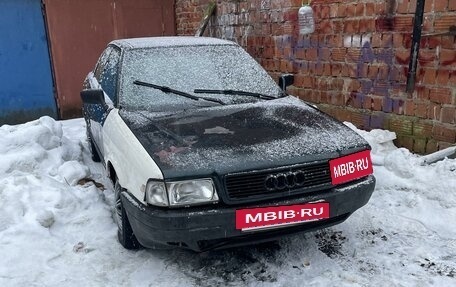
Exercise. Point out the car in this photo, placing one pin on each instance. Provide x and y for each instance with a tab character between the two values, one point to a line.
206	151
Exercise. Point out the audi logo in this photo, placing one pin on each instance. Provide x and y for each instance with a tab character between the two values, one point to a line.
282	181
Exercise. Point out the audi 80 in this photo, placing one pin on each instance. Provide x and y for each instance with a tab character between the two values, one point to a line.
206	151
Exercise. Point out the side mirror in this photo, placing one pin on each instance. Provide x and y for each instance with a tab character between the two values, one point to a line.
285	81
93	97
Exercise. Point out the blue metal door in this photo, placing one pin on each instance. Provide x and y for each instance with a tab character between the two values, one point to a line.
26	86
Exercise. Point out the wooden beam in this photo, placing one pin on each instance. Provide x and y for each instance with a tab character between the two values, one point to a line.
207	15
416	39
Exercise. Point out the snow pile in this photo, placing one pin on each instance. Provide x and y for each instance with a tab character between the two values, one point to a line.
406	170
43	210
381	142
39	148
36	159
56	226
416	205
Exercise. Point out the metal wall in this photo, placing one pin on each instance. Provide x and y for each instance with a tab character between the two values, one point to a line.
26	91
79	30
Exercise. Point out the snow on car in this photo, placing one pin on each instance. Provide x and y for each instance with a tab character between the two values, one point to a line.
206	151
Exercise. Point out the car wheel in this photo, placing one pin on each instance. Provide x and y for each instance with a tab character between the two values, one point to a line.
124	231
93	150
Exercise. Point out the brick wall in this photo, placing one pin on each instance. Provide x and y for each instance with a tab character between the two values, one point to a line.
355	65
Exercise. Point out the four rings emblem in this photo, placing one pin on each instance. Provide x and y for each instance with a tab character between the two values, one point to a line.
286	180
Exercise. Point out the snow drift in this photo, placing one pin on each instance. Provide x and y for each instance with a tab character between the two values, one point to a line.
56	226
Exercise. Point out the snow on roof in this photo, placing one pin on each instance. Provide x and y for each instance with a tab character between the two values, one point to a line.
139	43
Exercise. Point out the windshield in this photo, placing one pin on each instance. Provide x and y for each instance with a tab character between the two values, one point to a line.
188	68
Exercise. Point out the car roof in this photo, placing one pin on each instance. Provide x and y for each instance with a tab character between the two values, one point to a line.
176	41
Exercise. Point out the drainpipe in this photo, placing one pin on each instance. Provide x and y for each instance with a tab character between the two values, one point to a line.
414	53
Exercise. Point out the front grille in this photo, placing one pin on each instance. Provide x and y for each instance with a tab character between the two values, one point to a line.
253	184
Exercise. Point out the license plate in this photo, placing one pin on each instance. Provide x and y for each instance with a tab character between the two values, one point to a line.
277	216
350	167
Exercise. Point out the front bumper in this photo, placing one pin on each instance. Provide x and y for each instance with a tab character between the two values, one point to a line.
213	227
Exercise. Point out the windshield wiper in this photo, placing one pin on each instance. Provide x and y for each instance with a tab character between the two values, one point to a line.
167	90
234	92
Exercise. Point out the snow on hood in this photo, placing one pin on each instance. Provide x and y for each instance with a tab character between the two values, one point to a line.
231	138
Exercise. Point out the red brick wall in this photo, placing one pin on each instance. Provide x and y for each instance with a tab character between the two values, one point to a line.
355	65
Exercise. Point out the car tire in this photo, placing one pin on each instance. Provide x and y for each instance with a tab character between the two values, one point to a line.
93	150
124	231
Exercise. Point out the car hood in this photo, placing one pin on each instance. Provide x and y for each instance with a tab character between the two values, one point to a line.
223	139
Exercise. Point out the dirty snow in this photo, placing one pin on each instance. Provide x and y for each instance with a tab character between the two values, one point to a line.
56	226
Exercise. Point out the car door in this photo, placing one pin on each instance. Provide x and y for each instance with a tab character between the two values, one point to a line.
105	77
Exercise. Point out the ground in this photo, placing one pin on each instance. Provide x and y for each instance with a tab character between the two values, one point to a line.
57	229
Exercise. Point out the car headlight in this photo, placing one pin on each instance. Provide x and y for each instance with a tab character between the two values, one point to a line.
178	193
156	193
189	192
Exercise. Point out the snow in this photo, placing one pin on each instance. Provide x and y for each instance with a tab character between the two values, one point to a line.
186	68
436	156
291	121
169	41
57	229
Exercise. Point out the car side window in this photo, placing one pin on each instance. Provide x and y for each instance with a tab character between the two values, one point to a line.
102	63
107	73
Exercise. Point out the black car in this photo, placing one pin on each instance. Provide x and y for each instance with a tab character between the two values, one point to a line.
206	151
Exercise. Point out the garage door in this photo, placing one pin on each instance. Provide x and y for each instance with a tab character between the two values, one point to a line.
25	71
80	29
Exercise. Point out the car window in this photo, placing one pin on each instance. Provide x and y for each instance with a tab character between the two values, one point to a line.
109	75
107	72
102	63
188	68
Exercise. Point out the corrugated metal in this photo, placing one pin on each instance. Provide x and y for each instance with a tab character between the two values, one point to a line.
25	72
80	29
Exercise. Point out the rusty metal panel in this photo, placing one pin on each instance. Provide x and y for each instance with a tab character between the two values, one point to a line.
145	17
79	30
